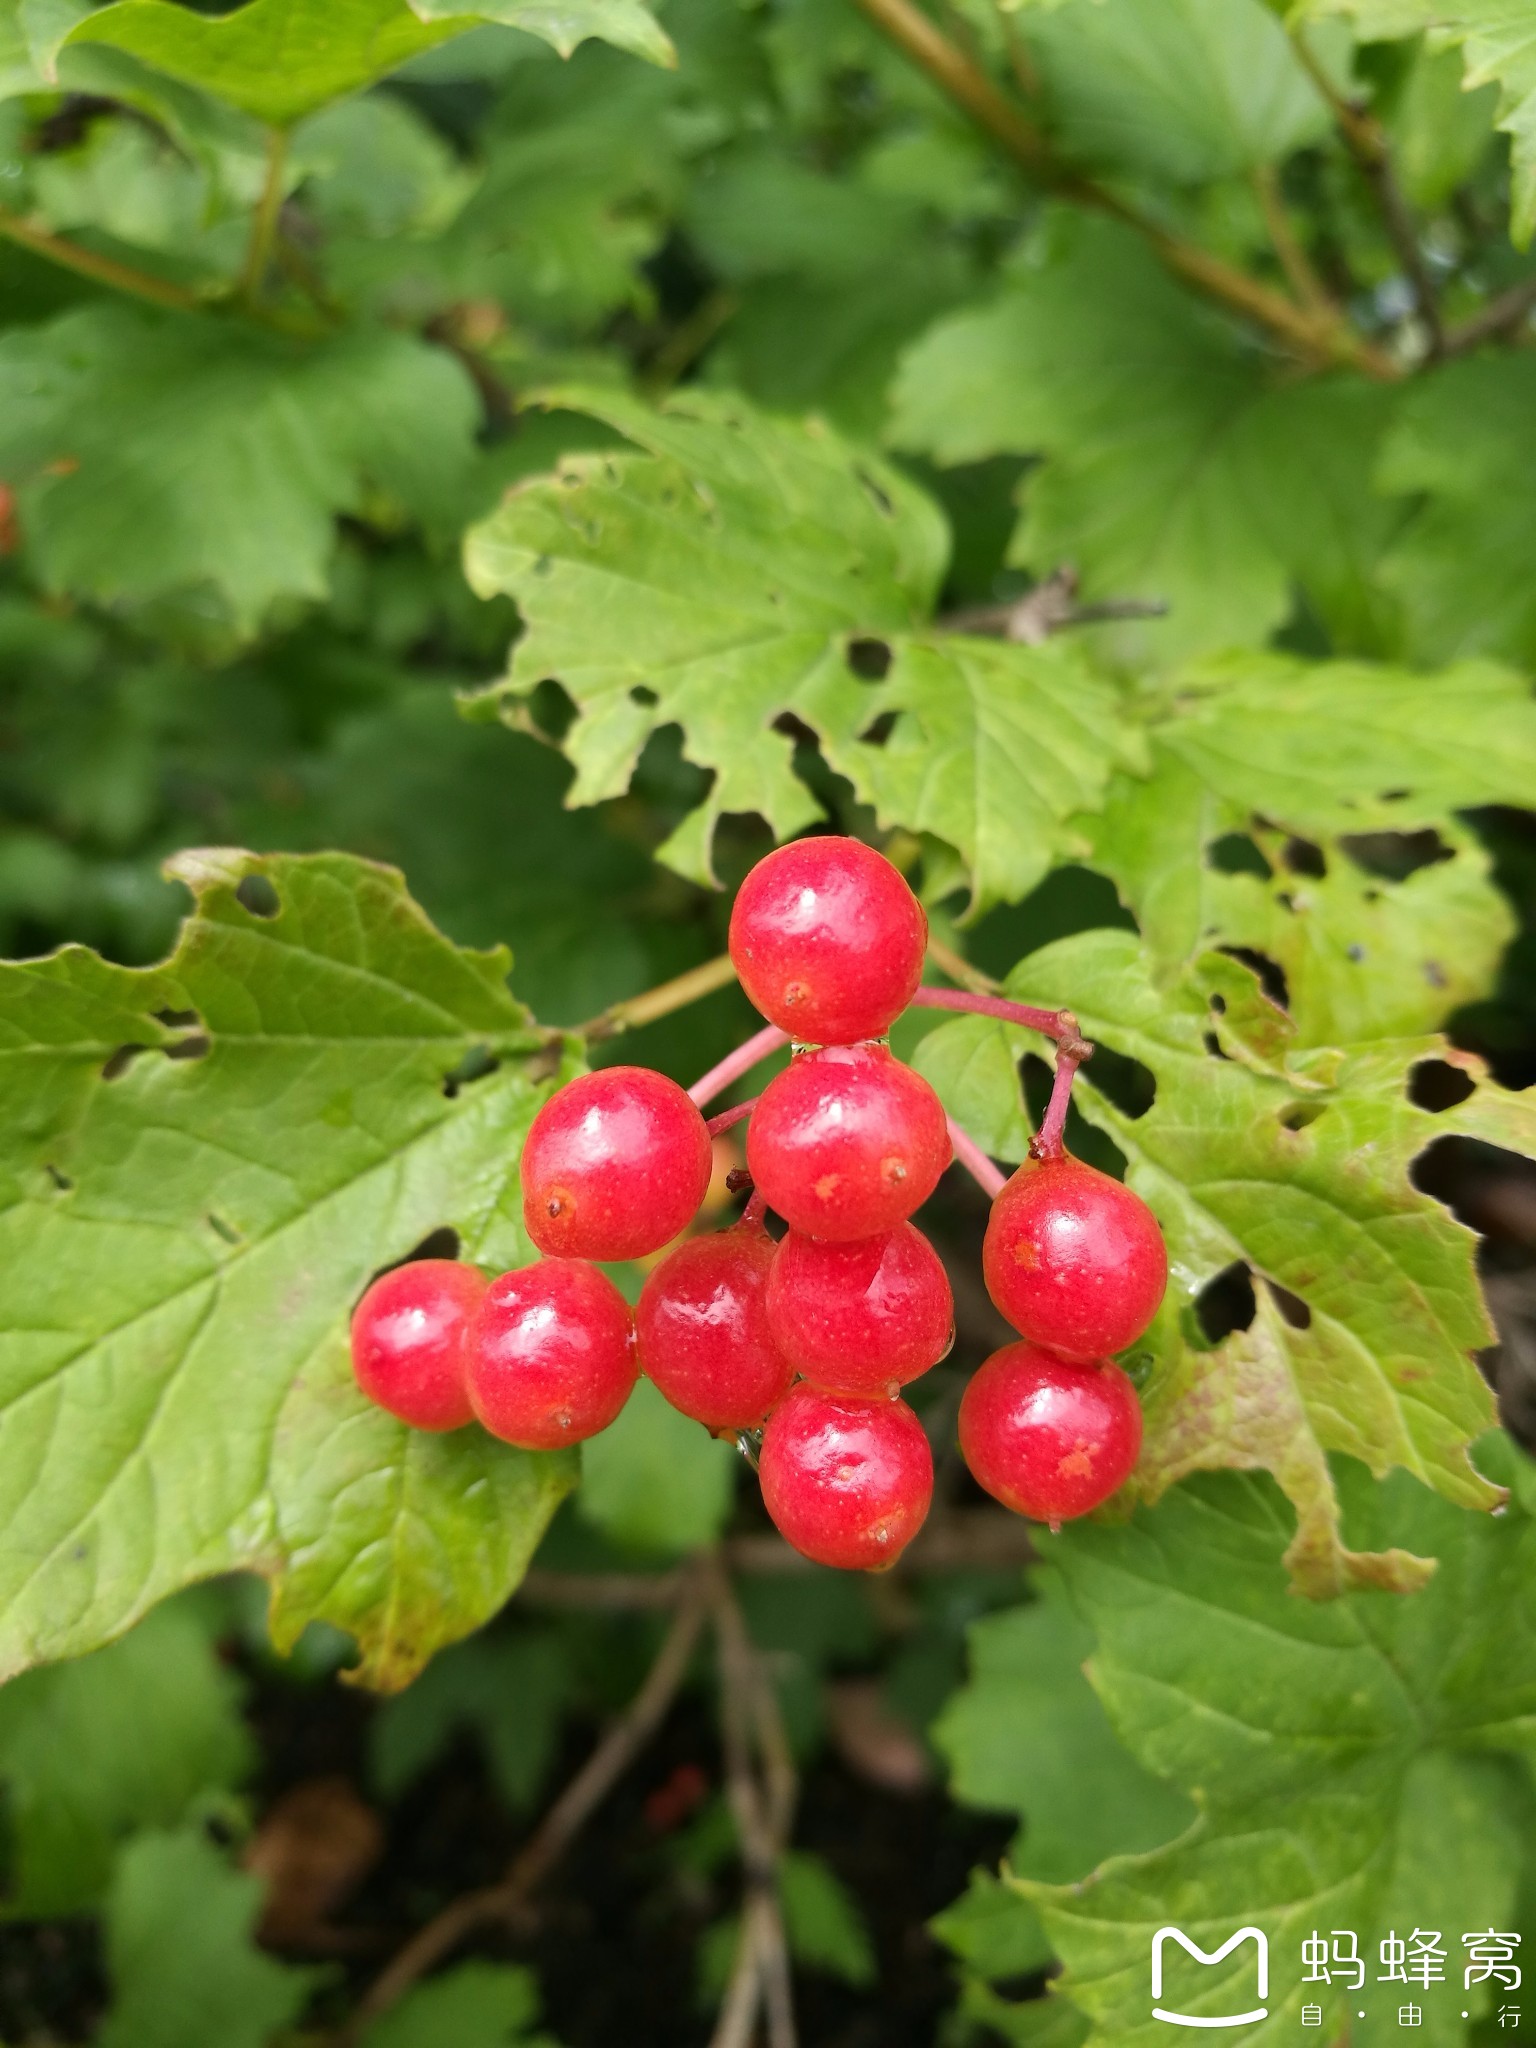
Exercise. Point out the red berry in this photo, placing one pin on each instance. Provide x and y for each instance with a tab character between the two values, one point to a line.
408	1341
863	1317
1049	1437
846	1481
1073	1259
828	940
551	1356
847	1142
616	1164
703	1330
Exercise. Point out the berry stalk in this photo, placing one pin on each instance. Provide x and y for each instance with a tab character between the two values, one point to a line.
737	1063
727	1117
1047	1141
989	1178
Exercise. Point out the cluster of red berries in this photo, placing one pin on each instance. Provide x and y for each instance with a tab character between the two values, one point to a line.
809	1338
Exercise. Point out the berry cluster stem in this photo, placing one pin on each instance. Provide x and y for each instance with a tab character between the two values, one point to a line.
737	1063
1058	1024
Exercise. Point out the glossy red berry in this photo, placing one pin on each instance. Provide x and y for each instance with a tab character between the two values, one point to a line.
408	1341
1047	1436
1073	1259
616	1164
828	940
703	1330
863	1317
550	1357
847	1481
847	1142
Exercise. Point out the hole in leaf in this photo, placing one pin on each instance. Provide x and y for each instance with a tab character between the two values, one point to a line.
1219	1004
254	893
1225	1304
1395	796
61	1181
118	1063
475	1065
869	660
1488	1189
195	1046
642	693
1237	853
1304	857
551	709
1127	1083
222	1229
1296	1116
1436	1085
1291	1306
1270	973
877	733
1396	855
1212	1045
177	1020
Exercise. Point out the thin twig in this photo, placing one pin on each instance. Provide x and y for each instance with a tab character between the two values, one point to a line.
506	1899
763	1813
258	254
688	341
661	1001
735	1064
609	1592
122	277
1050	608
1506	314
1294	260
989	1178
959	969
1047	1141
1317	340
1366	140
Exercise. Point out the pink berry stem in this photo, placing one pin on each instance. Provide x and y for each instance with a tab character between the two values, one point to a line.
727	1117
1047	1141
1058	1024
989	1178
756	1209
737	1063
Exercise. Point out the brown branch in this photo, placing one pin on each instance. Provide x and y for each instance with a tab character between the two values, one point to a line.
1318	340
1366	140
1049	608
763	1810
1293	258
1506	314
506	1899
122	277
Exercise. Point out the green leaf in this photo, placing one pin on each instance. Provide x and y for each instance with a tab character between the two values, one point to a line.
131	1737
565	23
655	1480
1025	1735
509	1692
1328	752
1459	565
1497	39
184	1965
1361	1764
1183	90
276	59
474	2005
822	1921
161	454
1294	1165
185	1230
1177	470
753	564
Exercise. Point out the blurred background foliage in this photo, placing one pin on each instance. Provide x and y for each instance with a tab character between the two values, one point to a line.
232	612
